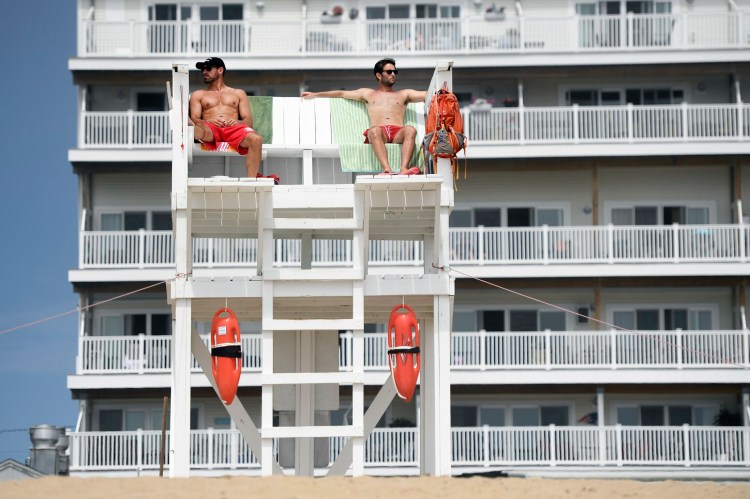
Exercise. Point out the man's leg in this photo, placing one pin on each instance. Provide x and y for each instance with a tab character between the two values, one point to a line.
376	136
406	136
253	142
203	133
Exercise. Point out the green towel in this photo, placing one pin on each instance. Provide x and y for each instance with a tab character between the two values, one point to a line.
349	120
262	109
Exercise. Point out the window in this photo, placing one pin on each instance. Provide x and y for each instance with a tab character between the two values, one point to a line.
671	415
135	420
463	416
139	418
667	319
460	218
540	416
513	320
492	416
533	320
150	101
135	324
110	420
527	216
660	215
136	220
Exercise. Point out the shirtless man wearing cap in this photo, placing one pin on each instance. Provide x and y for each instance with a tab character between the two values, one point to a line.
387	109
222	114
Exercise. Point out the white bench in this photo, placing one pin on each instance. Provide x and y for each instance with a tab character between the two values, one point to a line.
301	125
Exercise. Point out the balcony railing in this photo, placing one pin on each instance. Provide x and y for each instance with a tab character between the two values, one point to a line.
498	126
290	38
608	124
470	351
126	129
605	244
688	446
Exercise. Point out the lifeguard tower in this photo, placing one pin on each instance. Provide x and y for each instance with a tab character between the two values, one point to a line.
302	308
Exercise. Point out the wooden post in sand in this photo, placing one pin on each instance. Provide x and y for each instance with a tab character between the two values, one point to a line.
163	435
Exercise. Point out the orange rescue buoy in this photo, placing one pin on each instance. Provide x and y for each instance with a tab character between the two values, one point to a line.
226	353
403	350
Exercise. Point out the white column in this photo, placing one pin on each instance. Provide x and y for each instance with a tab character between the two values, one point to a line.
179	441
179	418
266	420
435	415
305	405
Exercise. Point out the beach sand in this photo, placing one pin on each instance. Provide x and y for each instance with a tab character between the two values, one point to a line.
366	487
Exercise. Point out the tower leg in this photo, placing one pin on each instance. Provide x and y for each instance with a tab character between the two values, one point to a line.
179	422
435	415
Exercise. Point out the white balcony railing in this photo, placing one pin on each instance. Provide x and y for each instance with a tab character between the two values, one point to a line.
605	244
688	446
472	351
288	38
126	129
498	126
608	124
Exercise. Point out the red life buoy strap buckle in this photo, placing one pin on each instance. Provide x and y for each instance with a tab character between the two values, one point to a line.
230	351
404	349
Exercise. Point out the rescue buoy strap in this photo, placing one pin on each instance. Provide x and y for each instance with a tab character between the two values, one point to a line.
231	351
403	350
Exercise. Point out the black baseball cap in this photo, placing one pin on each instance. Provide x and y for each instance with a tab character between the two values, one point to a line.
211	62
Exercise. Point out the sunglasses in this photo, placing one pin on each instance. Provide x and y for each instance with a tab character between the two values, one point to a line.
391	71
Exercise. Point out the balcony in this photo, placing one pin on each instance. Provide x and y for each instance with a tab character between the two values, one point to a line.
473	352
500	132
469	247
269	40
398	448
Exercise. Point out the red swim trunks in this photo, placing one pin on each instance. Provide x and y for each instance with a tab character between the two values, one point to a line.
233	135
390	131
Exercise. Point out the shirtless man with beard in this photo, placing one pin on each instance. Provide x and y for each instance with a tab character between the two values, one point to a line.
222	114
387	109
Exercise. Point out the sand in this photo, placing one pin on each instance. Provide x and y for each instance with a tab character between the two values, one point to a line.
366	487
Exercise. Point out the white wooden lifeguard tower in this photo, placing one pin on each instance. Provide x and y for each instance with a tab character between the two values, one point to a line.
302	309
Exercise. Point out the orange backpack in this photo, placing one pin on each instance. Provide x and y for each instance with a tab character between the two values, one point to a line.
444	130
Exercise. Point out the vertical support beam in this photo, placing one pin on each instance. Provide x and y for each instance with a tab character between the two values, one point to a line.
179	442
435	416
306	251
266	418
307	167
179	422
305	404
600	424
358	366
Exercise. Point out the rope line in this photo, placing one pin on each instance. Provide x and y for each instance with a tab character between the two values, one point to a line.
80	309
605	323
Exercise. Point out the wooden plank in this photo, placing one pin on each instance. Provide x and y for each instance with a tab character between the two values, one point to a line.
311	431
307	122
323	121
291	120
311	378
278	122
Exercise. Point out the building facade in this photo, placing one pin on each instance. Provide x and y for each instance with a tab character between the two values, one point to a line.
602	210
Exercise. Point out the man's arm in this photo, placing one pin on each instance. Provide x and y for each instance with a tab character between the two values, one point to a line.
359	94
246	115
195	108
415	95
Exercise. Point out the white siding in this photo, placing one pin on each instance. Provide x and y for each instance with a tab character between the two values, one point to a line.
661	185
118	190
